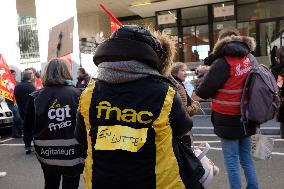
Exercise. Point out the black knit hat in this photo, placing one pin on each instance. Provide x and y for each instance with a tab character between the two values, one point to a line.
131	42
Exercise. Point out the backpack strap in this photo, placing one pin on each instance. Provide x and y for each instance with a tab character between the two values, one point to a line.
253	61
244	113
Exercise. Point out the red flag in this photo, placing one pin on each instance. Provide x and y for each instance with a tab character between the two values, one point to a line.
7	81
113	26
114	23
38	83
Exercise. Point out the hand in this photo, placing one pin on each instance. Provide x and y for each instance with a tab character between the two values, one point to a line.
202	69
194	108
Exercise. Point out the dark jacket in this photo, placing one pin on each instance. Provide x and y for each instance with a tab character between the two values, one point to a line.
280	115
107	109
22	91
210	59
51	114
277	69
83	81
226	126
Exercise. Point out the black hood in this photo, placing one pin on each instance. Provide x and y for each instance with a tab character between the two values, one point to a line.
131	43
234	46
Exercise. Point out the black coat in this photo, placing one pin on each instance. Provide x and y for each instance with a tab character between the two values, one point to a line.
226	126
277	69
280	115
83	81
22	91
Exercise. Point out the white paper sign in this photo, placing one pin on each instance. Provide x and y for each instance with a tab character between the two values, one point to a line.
166	19
224	11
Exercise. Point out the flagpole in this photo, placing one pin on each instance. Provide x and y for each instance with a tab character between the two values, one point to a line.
110	14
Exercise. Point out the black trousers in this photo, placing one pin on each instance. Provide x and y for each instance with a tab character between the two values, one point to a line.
52	177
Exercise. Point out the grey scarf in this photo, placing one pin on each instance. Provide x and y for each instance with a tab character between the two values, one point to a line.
124	71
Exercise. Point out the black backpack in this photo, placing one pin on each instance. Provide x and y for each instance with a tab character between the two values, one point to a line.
260	100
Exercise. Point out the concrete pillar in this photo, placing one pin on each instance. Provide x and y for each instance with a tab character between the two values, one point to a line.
93	23
90	25
49	14
9	35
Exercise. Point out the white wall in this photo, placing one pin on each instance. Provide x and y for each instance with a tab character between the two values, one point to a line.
9	35
89	65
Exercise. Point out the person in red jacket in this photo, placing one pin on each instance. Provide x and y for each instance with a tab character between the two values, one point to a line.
224	83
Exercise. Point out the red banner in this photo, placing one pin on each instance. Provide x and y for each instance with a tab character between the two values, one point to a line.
7	82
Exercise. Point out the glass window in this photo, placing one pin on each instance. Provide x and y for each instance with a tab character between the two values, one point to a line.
247	29
276	38
281	40
174	34
246	1
169	25
218	26
226	8
267	32
281	24
261	10
194	15
195	43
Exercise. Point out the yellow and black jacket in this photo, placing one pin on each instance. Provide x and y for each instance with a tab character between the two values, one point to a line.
129	132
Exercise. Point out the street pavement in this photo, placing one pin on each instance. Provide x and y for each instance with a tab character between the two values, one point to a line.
202	122
202	125
23	171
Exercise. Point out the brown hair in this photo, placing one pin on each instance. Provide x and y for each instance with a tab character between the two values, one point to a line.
169	49
227	32
27	75
56	72
82	70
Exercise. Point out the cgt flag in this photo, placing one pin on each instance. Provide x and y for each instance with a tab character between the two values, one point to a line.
7	82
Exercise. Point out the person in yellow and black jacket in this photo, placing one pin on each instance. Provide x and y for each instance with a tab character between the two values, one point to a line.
51	114
129	120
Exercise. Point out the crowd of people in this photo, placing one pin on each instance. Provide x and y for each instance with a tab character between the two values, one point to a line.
127	126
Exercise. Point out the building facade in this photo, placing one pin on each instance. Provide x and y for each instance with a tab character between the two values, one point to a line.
195	29
193	25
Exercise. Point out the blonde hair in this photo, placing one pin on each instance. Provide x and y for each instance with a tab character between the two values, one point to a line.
56	72
169	49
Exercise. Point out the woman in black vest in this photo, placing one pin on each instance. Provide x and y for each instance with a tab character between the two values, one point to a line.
52	115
